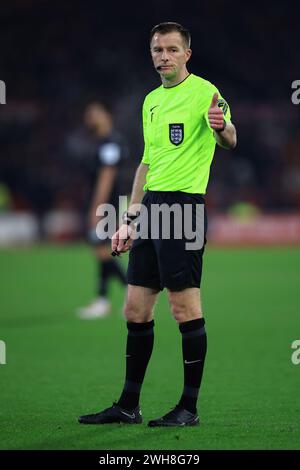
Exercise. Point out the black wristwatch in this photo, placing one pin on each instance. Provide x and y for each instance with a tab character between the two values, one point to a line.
128	218
223	128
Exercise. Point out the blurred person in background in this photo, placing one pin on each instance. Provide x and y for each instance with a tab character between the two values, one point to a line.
110	151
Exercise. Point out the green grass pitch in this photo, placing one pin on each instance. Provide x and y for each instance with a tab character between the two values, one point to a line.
59	367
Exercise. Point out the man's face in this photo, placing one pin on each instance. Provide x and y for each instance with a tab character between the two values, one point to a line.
169	53
95	117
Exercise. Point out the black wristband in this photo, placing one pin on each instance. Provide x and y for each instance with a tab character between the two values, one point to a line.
223	128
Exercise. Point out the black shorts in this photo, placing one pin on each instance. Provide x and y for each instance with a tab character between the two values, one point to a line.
159	263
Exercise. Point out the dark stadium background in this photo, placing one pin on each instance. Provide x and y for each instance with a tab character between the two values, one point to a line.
55	56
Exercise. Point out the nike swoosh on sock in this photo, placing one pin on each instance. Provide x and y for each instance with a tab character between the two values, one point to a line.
192	362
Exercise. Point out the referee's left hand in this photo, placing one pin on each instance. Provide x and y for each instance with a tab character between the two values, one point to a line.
215	114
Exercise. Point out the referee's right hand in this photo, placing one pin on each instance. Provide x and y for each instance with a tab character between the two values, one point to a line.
121	241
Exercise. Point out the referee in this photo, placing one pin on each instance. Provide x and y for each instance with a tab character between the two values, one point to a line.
183	119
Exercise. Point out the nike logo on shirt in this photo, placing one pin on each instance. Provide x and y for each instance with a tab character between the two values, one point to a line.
151	111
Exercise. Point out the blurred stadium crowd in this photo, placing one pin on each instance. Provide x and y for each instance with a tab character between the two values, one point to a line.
57	56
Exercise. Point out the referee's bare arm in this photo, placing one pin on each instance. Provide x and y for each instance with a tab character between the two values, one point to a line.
137	192
121	241
226	138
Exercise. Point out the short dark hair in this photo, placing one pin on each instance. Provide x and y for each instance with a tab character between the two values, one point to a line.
169	27
93	100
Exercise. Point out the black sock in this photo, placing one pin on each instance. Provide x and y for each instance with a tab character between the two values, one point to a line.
107	269
194	345
138	352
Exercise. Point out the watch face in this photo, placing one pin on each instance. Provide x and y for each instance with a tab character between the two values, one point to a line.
131	217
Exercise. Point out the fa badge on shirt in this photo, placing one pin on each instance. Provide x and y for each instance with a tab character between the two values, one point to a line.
176	133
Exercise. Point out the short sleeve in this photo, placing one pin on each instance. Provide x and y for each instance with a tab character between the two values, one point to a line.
109	154
145	158
222	103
